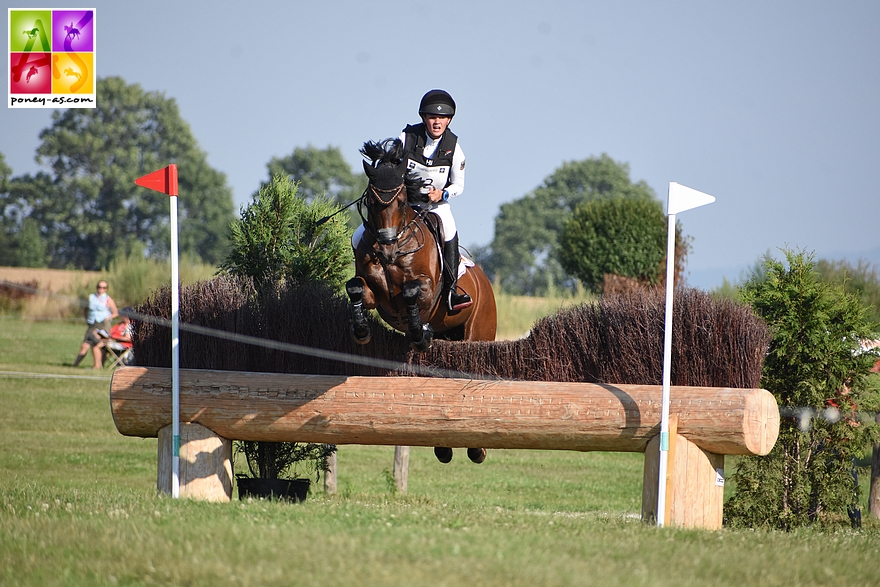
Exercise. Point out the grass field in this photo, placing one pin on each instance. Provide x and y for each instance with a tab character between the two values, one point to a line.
78	507
517	314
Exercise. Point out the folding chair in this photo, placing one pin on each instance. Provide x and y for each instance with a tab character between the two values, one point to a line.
118	354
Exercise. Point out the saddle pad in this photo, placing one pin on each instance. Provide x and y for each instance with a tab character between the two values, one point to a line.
463	265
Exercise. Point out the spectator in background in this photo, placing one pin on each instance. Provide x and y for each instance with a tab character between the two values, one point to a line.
120	336
100	310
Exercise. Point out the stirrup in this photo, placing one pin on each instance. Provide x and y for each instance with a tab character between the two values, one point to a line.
458	301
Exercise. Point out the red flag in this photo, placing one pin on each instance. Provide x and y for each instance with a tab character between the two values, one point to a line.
162	180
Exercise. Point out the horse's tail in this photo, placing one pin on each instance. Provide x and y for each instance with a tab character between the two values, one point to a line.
483	321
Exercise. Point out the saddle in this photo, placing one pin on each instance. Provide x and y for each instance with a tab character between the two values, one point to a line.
432	221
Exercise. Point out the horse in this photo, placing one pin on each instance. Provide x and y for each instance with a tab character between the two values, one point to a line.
398	262
71	31
398	266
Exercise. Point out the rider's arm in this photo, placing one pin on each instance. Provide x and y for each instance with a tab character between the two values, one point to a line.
456	174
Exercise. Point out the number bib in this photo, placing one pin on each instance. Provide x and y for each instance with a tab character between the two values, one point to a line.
433	176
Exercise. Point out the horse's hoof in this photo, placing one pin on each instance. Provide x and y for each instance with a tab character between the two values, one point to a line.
362	336
443	454
427	338
421	346
477	455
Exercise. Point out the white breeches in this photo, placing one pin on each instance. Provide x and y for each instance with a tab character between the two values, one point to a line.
443	211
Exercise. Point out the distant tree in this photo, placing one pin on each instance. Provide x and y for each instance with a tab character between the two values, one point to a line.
87	206
619	236
5	174
861	280
320	172
527	230
20	242
7	224
820	378
29	248
278	239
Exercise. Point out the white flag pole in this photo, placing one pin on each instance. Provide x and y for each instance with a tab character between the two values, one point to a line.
679	199
175	355
667	367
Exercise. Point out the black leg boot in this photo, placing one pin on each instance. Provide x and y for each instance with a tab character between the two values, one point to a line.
451	257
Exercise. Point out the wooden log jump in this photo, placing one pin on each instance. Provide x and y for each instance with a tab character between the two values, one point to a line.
420	411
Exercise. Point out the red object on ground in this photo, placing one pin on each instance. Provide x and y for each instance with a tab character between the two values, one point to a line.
162	180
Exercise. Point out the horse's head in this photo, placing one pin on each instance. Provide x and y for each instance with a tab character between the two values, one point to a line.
386	195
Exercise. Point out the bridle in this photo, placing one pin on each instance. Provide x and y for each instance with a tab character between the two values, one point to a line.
393	191
392	235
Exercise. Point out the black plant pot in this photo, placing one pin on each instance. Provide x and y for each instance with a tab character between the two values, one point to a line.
290	490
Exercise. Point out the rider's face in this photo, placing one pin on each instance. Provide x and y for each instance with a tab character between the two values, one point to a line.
435	125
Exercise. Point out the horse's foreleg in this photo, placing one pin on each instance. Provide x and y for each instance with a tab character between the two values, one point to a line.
420	335
360	330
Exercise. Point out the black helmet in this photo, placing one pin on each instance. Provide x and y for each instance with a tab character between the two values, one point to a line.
437	102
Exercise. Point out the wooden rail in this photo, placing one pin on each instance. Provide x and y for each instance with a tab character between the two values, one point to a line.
421	411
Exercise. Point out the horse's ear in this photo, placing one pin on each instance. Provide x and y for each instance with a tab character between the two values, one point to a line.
401	168
369	169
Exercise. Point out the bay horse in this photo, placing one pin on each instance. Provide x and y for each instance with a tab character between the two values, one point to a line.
398	267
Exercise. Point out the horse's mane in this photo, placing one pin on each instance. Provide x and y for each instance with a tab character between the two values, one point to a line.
386	151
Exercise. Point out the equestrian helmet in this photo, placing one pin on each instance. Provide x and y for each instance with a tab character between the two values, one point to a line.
437	102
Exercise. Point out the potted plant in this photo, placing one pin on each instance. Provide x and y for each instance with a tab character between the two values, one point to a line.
275	467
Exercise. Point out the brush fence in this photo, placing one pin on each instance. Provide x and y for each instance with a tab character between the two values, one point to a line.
217	407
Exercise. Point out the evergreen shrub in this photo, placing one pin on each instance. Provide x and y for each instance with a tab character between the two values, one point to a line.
820	375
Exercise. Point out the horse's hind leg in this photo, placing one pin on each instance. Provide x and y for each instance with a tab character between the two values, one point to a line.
477	455
360	330
420	335
443	454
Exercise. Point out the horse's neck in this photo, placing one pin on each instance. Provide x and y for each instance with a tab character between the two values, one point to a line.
412	213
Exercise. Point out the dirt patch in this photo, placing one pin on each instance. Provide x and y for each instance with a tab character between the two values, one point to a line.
53	280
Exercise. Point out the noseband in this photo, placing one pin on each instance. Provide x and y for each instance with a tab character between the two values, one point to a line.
388	236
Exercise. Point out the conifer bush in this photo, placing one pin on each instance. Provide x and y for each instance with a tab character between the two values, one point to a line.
278	238
277	243
820	376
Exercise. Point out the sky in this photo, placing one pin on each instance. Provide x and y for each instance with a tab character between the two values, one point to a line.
771	107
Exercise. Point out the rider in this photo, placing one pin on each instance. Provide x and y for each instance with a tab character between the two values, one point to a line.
433	154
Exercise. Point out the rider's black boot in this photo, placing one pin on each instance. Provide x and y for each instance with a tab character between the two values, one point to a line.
451	258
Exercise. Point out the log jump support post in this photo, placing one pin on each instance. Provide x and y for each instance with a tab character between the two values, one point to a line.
219	406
